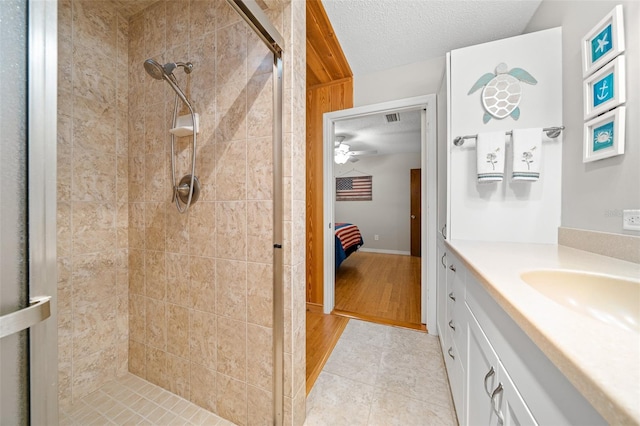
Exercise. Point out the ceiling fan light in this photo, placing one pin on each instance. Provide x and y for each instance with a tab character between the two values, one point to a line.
341	157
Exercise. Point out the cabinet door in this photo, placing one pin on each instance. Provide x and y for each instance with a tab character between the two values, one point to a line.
510	405
441	314
482	375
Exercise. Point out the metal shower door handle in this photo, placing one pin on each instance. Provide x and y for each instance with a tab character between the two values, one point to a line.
39	309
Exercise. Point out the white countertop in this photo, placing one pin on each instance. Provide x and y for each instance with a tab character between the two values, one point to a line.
602	361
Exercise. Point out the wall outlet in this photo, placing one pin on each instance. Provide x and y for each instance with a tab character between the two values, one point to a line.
631	220
376	237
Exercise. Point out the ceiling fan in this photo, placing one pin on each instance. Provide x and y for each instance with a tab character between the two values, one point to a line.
343	153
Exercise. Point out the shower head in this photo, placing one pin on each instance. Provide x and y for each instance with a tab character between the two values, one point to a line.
157	71
154	69
160	72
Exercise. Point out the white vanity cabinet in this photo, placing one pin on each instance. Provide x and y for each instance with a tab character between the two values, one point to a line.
492	398
498	376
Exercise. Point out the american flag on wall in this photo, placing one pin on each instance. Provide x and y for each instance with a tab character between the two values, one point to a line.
357	188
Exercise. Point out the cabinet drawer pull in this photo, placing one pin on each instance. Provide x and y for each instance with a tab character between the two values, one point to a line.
453	268
442	261
452	297
486	377
442	231
494	396
453	327
450	352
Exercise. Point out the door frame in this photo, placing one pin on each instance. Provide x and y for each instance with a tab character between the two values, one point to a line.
42	138
412	222
428	161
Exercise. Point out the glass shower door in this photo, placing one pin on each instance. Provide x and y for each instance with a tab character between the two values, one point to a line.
27	225
14	353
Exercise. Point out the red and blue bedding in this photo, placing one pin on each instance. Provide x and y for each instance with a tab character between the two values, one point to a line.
348	240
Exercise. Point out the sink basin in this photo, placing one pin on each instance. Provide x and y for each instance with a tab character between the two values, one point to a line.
612	300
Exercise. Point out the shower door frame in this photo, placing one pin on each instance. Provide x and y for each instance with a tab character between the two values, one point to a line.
260	23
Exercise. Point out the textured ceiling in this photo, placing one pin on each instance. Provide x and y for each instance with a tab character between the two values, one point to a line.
381	34
372	132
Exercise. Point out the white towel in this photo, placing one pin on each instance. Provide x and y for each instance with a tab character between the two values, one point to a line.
527	153
490	156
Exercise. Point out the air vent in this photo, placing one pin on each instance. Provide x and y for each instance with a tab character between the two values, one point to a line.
392	117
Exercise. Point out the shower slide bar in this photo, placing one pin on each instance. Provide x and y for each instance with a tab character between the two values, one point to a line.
552	132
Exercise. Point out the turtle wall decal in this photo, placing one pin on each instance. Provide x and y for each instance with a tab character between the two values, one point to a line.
502	91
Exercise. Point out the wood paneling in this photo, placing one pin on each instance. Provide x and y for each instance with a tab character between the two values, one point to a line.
325	60
329	88
320	99
380	287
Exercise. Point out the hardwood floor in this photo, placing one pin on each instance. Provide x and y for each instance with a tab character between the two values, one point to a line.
323	332
380	288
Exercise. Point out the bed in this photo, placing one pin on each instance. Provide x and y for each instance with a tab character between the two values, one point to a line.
348	240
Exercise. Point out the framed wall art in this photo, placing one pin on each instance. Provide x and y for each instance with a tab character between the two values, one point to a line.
604	42
604	136
605	89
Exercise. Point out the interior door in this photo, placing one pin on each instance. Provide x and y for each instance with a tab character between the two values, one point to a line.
416	225
28	335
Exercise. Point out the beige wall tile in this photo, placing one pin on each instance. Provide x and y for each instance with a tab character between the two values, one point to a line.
202	229
203	286
178	24
203	387
156	324
94	328
155	226
136	272
259	294
155	275
156	366
232	399
93	227
231	289
202	339
137	358
137	318
259	174
261	407
92	371
232	348
231	53
231	226
64	284
155	29
177	232
178	376
231	170
94	277
178	330
94	125
259	356
178	279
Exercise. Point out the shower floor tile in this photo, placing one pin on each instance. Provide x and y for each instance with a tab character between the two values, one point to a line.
131	400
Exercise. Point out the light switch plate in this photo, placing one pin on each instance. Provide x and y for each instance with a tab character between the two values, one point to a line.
631	220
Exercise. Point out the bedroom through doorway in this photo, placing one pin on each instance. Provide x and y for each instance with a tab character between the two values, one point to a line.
377	263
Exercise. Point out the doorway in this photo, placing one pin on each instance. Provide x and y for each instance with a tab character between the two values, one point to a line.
426	104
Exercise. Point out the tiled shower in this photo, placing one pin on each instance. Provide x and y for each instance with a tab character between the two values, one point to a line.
181	300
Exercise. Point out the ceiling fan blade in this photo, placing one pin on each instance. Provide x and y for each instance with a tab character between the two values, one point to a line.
371	152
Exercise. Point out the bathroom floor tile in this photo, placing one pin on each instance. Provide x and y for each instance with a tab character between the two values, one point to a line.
381	375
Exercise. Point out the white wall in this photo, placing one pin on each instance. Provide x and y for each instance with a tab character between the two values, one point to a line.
506	211
387	214
416	79
594	194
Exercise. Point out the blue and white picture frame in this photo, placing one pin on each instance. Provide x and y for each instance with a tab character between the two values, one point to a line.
604	136
605	89
604	42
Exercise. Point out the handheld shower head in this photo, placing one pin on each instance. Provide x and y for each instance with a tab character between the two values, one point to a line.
165	72
154	69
